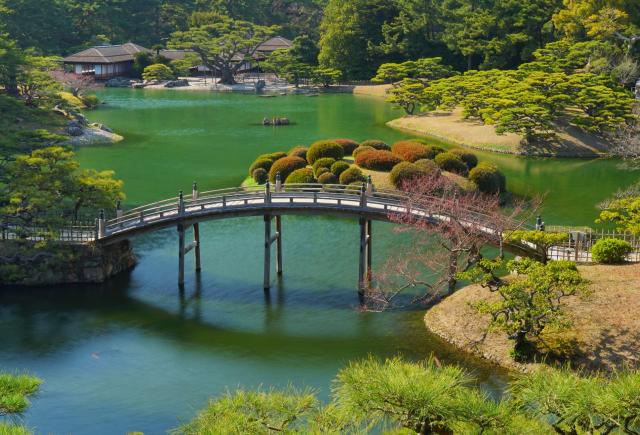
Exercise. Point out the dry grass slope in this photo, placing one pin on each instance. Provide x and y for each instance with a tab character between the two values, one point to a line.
606	325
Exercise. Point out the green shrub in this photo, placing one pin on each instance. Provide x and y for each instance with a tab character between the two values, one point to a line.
451	163
410	151
352	175
328	178
299	151
377	160
360	149
405	172
273	156
324	148
339	167
347	145
488	178
260	175
376	144
286	166
433	150
611	251
470	159
157	71
429	166
320	171
301	176
260	163
324	162
90	101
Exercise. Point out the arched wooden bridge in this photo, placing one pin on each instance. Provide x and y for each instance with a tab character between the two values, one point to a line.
365	203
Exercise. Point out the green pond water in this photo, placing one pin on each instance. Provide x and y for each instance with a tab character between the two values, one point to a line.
134	355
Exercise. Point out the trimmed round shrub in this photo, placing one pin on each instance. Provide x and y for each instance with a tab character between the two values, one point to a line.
429	166
299	151
328	178
410	151
260	163
360	149
451	163
324	148
352	175
301	176
347	145
405	172
433	151
273	156
260	176
321	171
324	162
470	159
339	167
611	251
286	166
377	160
488	178
376	144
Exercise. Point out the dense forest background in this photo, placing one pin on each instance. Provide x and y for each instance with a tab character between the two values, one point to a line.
356	36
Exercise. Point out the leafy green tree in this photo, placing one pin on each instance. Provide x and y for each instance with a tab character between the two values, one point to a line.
426	69
35	84
46	188
326	76
284	64
158	72
528	302
407	95
12	60
305	50
542	240
350	30
624	211
224	45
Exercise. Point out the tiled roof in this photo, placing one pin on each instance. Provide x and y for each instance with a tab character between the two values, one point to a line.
107	54
275	43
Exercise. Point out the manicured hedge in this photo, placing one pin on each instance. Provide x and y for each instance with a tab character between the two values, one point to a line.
260	163
352	175
488	178
324	148
328	178
273	156
611	251
377	160
339	167
451	163
468	158
324	162
433	151
260	176
301	176
286	166
360	149
404	172
376	144
320	171
428	166
410	151
299	151
347	145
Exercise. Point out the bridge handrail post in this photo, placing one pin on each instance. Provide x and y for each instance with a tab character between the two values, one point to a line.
363	196
369	186
194	191
181	204
267	192
101	227
119	211
278	182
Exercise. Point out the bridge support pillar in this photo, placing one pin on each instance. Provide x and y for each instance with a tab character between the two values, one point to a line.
181	253
268	242
279	245
364	270
196	242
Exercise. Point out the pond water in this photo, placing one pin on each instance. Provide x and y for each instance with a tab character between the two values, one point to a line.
135	355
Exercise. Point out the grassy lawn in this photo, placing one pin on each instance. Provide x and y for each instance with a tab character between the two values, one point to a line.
606	325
